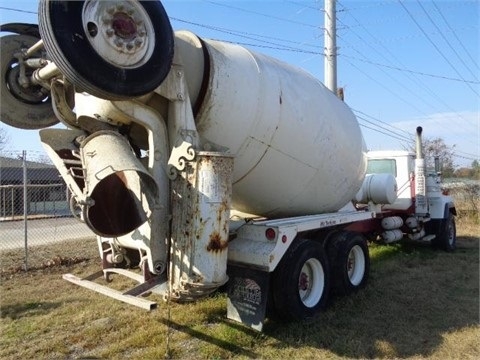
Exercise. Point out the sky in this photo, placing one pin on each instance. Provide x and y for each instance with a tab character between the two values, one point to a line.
402	63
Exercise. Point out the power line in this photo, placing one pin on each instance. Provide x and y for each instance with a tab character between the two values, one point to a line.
383	132
252	36
409	36
397	136
377	4
383	122
261	14
374	48
465	157
411	74
436	47
389	90
18	10
412	71
467	154
383	86
389	132
281	48
446	40
456	37
304	6
387	74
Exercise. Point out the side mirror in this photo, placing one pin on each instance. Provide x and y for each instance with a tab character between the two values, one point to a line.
438	165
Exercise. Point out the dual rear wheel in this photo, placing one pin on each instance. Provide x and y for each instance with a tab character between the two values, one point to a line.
302	282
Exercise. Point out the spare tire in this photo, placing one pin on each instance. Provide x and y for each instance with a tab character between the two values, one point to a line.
23	108
111	49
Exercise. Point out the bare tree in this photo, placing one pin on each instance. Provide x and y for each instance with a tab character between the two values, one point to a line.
4	138
437	147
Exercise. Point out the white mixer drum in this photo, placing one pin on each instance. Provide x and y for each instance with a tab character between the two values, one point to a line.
298	148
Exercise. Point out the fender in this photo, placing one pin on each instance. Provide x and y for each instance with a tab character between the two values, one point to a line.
21	29
440	207
449	208
435	224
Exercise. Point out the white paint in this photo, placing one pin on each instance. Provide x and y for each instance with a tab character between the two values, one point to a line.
298	148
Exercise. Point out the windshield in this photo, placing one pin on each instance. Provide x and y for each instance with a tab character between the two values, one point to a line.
382	166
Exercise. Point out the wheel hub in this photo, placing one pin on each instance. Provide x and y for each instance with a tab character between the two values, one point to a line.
303	282
32	94
121	32
124	26
356	265
311	282
351	264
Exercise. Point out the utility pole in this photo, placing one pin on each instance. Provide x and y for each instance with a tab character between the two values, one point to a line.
330	46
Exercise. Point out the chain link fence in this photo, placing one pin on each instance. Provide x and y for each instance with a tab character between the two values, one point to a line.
35	212
37	228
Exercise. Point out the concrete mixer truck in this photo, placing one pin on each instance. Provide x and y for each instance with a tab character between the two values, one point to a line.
199	163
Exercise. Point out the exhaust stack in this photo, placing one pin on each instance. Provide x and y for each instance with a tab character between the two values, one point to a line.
418	143
421	205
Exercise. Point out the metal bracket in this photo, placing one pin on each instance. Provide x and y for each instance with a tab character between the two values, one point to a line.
129	296
60	106
178	158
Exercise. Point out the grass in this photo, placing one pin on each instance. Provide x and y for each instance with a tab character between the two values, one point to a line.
419	303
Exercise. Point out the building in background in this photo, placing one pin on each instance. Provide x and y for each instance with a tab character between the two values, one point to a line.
46	191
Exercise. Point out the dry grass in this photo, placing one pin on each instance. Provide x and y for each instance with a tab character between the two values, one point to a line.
419	303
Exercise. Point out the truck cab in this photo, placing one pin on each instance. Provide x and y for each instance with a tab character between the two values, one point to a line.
437	223
400	164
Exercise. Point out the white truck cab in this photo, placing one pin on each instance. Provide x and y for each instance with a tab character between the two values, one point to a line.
400	164
435	220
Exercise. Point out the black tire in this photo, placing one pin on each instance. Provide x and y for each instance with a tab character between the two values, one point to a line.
23	108
446	233
69	45
350	262
296	295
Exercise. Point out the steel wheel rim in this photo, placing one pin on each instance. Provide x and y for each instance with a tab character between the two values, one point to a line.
311	282
356	265
451	234
121	32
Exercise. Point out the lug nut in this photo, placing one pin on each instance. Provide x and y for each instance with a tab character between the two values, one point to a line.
129	46
118	43
110	32
138	42
106	20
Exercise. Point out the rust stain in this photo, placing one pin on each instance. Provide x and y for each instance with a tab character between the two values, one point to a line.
216	243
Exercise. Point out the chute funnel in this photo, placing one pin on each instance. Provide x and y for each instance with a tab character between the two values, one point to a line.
120	192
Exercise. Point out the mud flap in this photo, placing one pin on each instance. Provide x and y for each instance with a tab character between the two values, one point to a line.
247	295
